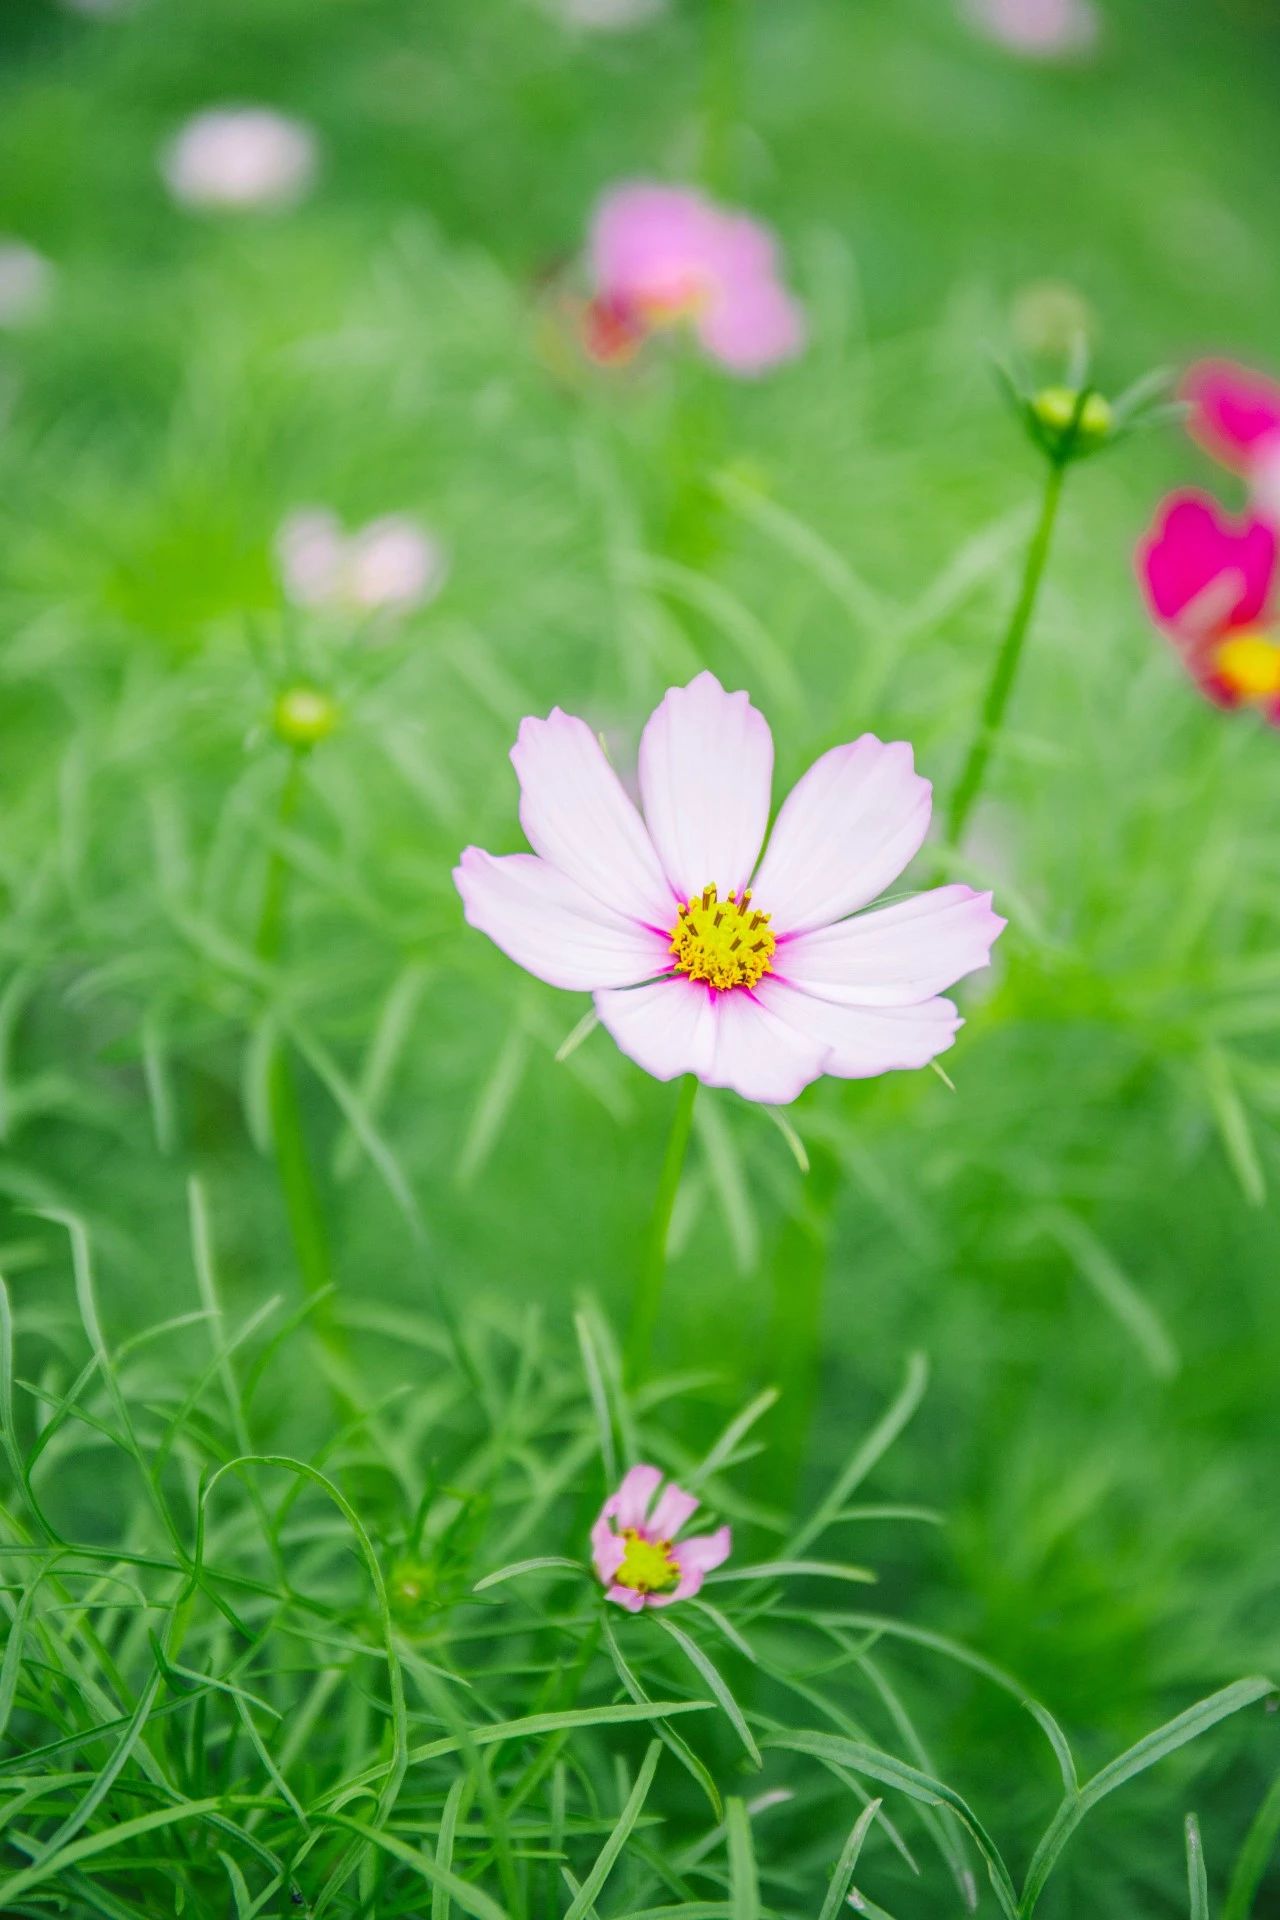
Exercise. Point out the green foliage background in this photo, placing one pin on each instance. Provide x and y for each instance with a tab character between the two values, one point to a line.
1082	1235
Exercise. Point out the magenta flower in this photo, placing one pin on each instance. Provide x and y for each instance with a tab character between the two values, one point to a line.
664	256
1209	581
1235	415
639	1560
703	957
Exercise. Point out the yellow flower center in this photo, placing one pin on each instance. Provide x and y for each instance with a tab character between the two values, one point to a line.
1250	664
676	304
722	941
647	1565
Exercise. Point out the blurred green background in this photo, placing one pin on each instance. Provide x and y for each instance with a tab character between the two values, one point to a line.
1082	1235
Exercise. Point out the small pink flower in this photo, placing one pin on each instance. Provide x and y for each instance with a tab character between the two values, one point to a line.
392	564
759	984
239	157
1209	582
663	256
1037	29
639	1560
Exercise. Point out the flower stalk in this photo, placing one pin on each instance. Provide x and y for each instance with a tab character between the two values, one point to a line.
1005	671
298	1184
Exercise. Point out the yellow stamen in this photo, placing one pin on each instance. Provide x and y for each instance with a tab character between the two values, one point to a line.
1250	665
722	941
647	1565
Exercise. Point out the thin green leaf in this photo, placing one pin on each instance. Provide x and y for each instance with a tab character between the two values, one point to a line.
1254	1857
744	1881
604	1862
842	1877
1197	1880
715	1680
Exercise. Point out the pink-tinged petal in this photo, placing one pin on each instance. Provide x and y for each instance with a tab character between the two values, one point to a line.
706	768
1234	412
751	328
607	1550
630	1504
651	244
895	956
696	1559
1204	572
726	1039
629	1597
547	924
847	828
759	1056
667	1028
577	815
674	1507
860	1042
705	1552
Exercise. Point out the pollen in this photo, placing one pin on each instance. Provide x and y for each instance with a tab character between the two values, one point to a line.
1250	665
724	942
648	1566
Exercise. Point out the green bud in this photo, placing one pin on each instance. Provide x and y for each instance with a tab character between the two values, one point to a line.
1055	408
303	716
412	1588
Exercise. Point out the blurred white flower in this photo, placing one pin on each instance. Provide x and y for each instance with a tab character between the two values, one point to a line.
26	283
240	157
1051	317
608	16
1037	29
392	563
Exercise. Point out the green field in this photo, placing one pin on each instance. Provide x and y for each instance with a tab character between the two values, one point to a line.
271	1689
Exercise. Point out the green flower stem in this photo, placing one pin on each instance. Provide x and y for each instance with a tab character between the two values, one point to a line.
723	91
284	1108
1005	671
653	1270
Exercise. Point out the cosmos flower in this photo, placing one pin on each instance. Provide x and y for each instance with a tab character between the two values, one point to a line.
392	563
634	1549
662	257
1235	415
1210	581
26	283
1037	29
240	157
703	957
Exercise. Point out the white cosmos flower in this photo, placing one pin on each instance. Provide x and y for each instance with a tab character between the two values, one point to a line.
240	157
392	563
756	971
26	283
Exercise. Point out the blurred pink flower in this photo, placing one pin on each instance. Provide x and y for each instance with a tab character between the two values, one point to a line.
1210	582
1037	29
240	157
666	256
1235	415
759	985
640	1561
393	563
26	283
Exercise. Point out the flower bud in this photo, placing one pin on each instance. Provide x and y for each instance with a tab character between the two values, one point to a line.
302	716
1056	410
